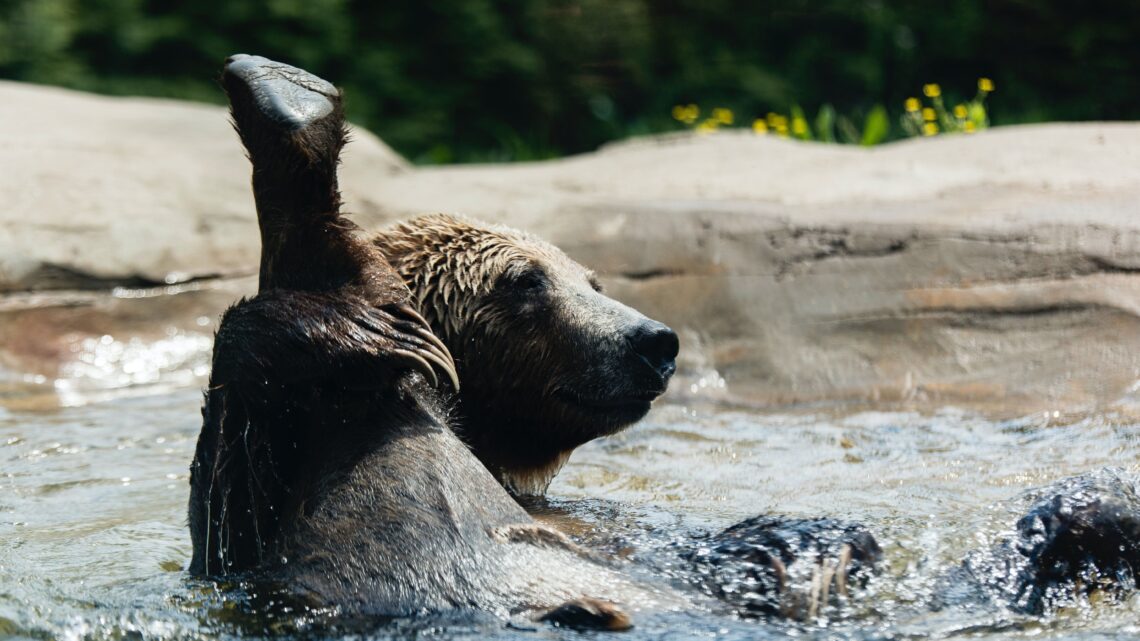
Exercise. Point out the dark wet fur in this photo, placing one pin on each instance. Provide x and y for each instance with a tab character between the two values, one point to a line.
1080	535
287	366
298	199
330	329
754	565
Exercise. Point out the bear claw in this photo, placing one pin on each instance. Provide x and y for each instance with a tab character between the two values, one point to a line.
441	356
416	347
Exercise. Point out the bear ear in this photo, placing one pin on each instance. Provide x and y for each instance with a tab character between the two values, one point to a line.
527	279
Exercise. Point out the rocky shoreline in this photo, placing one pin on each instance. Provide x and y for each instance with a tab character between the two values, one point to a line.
998	271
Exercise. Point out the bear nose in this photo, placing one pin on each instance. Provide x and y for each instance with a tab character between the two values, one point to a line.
657	344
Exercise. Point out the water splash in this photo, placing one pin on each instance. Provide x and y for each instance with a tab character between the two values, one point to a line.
697	376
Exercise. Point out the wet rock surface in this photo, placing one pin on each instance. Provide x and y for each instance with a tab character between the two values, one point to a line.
997	271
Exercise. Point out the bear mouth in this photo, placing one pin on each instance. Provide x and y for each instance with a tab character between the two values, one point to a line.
636	402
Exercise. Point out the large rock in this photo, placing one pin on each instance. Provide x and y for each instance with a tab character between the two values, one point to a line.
997	270
101	191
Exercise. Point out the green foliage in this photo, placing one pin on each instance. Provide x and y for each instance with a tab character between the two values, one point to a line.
876	127
825	123
470	80
800	128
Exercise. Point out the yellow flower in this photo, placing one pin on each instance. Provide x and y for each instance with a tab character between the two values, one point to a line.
722	115
931	90
970	127
929	129
707	126
782	128
799	126
913	105
985	85
679	112
759	126
928	115
960	111
773	118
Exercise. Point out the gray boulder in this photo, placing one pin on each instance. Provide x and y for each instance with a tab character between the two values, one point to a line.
996	271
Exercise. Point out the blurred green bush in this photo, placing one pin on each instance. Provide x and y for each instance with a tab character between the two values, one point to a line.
473	80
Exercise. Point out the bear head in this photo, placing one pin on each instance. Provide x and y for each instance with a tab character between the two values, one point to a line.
546	361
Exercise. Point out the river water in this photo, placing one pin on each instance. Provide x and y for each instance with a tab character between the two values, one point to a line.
94	484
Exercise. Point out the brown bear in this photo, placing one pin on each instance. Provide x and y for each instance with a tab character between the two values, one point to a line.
326	461
547	361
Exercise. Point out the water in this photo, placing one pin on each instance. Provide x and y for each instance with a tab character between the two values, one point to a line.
93	492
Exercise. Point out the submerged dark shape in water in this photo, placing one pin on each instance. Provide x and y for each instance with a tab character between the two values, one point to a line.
1079	536
777	566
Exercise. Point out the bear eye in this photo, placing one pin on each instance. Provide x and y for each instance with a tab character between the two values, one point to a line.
531	280
595	283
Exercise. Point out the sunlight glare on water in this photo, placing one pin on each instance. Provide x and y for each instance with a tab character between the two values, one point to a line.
105	367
